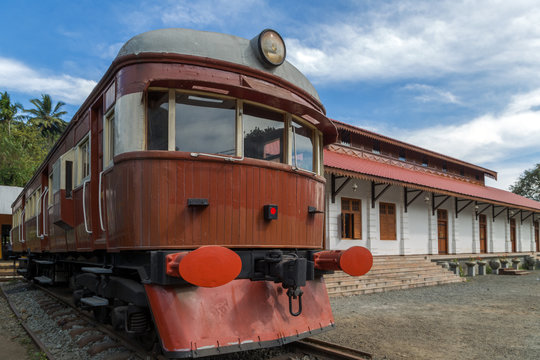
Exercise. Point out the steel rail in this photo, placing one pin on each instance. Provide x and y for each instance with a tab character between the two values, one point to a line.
30	333
329	350
130	345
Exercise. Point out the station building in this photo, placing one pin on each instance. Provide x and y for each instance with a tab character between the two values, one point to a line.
8	194
399	199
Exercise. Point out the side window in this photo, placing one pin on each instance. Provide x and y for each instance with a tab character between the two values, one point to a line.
263	134
158	120
302	151
83	160
108	140
51	196
351	219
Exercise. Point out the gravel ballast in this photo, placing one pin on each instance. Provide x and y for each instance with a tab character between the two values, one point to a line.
487	317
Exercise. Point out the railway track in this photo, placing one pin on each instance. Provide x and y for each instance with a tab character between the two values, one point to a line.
7	271
62	331
323	350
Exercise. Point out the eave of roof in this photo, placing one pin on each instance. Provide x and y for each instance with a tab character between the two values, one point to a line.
348	165
405	145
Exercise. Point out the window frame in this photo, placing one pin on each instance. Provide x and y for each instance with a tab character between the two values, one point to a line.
108	138
79	178
316	135
350	211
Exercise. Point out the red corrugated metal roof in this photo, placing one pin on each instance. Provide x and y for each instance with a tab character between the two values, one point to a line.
403	175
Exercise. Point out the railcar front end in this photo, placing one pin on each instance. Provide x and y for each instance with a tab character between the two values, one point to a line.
189	189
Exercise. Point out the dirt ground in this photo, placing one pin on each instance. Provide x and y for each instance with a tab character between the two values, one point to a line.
488	317
15	344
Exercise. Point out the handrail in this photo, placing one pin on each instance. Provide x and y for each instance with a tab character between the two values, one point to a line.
21	223
11	236
99	197
37	213
84	206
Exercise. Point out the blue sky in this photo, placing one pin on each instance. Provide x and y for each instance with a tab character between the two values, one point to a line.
457	77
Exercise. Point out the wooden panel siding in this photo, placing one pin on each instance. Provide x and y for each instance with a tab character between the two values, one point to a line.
146	197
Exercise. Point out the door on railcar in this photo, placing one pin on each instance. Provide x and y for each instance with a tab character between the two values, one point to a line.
513	234
442	230
537	236
82	195
483	232
96	177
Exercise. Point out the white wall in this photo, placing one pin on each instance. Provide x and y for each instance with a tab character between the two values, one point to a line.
8	194
416	229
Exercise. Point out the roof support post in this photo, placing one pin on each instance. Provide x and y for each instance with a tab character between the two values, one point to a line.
481	211
333	189
435	207
458	209
499	213
525	218
374	196
513	215
406	196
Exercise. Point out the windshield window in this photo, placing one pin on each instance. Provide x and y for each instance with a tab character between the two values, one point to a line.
263	133
205	124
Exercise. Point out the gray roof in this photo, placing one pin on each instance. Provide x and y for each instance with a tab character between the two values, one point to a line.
212	45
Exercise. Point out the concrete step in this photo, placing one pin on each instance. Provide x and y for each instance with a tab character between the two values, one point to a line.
376	289
391	273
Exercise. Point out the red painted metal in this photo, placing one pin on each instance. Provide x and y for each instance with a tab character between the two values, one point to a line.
240	312
159	216
355	261
208	266
402	175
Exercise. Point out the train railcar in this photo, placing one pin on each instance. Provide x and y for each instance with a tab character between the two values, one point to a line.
185	200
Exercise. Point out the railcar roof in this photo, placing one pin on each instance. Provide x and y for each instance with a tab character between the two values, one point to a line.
211	45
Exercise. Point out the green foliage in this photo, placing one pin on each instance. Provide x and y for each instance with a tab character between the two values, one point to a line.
23	146
47	119
528	184
8	111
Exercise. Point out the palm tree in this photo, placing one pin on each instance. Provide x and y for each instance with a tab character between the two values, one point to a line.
8	111
47	119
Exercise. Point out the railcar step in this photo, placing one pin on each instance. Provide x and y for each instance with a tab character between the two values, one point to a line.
95	301
44	262
96	270
22	271
44	280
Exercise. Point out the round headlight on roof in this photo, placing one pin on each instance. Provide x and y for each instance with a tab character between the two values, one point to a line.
271	47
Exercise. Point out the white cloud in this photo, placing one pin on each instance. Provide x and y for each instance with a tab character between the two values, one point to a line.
412	39
491	139
203	13
427	93
16	76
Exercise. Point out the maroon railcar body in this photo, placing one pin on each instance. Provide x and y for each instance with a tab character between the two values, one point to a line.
109	210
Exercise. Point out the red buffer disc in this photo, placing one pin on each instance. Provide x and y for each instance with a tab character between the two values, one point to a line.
210	266
356	261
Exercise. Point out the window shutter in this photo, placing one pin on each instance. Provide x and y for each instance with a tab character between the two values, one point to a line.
357	225
341	220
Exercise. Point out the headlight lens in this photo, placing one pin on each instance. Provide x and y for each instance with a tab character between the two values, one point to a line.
272	47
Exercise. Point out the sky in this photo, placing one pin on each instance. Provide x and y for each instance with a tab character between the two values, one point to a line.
458	77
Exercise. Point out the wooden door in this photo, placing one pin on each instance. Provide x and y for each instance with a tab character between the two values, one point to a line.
536	236
442	230
483	233
387	220
513	234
